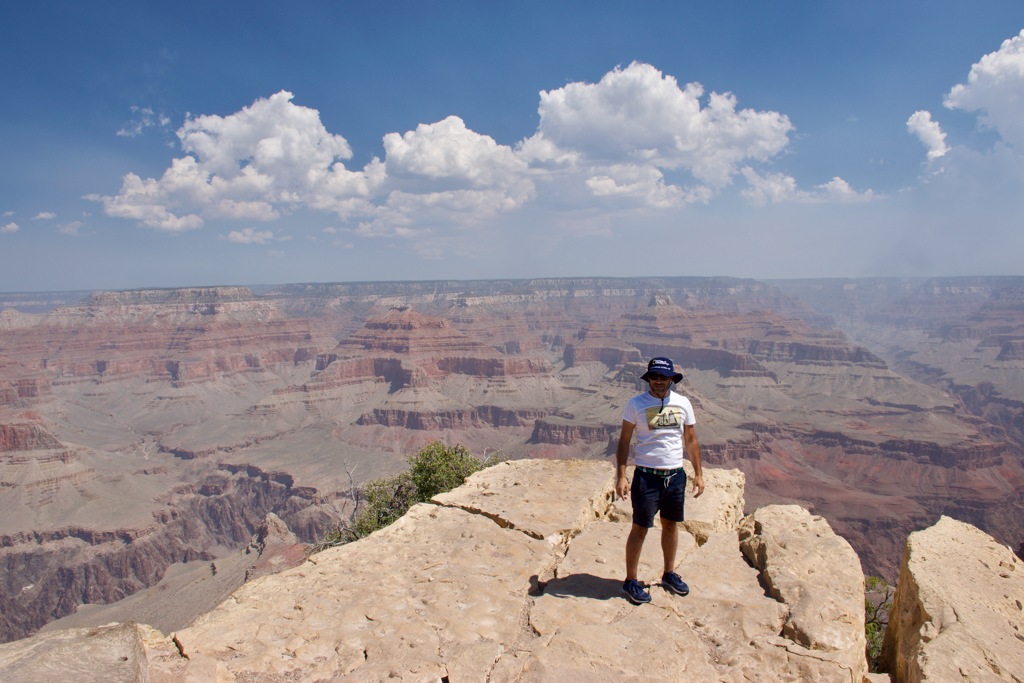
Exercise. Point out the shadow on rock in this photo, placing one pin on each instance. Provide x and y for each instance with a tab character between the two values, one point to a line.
581	586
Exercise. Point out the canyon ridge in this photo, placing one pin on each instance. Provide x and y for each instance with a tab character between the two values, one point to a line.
145	435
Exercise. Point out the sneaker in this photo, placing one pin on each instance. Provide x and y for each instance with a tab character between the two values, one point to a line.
635	592
672	582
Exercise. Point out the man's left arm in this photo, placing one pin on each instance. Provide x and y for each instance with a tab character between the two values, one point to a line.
693	450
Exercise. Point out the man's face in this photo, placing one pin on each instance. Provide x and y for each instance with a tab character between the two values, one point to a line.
659	382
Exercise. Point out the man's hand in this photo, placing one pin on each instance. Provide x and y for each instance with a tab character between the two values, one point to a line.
621	486
621	456
693	450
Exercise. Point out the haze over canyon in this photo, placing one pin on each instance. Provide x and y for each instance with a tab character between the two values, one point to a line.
141	429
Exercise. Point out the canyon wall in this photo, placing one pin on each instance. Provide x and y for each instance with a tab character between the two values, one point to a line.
144	429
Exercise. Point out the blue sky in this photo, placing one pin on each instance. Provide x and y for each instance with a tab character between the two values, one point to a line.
186	144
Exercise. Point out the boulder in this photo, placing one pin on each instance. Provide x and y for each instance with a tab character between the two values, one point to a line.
816	574
958	612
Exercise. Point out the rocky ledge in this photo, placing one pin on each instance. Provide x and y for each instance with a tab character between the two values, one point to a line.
516	577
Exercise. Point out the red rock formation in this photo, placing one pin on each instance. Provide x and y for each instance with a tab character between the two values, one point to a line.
560	434
829	353
21	392
275	548
26	436
176	383
493	367
402	330
1011	350
405	348
182	335
600	345
470	418
47	575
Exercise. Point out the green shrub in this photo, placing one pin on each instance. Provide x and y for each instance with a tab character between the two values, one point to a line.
877	603
434	469
437	468
386	500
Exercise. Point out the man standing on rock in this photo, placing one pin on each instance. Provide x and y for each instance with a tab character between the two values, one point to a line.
662	421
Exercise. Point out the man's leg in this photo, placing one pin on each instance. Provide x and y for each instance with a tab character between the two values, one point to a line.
634	544
669	543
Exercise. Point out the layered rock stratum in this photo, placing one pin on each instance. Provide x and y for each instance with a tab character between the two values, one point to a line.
516	576
146	434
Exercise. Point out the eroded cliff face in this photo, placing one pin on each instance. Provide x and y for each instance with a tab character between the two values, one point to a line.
960	336
49	574
516	576
139	397
180	335
96	506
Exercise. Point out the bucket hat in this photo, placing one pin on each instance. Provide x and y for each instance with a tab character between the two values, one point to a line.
664	367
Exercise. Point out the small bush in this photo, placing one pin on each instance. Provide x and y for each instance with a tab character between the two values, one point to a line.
877	603
434	469
437	468
386	500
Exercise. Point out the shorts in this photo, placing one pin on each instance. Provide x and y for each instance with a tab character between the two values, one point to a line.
651	493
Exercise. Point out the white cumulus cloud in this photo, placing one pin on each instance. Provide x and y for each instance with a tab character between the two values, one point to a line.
968	173
449	151
641	116
142	118
995	89
72	229
257	210
839	191
929	133
775	188
644	183
249	236
446	173
271	156
636	139
44	216
9	228
272	137
150	201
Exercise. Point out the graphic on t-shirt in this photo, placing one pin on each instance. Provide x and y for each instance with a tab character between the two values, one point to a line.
669	417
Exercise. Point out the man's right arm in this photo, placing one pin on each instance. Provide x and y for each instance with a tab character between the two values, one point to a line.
621	457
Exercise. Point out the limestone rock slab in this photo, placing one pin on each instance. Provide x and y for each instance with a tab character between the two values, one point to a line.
586	630
727	629
586	589
642	644
543	498
440	586
739	626
720	507
958	612
108	653
816	573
